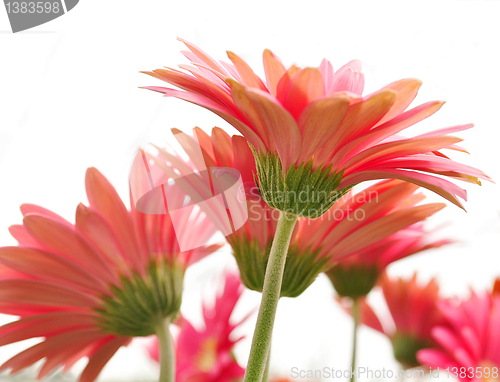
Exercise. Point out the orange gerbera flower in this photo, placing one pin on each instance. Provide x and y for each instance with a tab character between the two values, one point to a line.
88	288
311	128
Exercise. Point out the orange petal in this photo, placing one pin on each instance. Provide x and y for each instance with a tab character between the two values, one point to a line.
384	131
223	148
274	70
407	90
305	87
318	122
282	86
246	73
360	117
384	227
266	115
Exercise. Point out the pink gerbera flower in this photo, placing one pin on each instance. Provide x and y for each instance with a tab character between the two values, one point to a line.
88	288
206	355
311	128
469	345
414	312
358	220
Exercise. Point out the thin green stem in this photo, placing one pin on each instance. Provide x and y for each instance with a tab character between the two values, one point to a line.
167	352
355	315
271	291
265	378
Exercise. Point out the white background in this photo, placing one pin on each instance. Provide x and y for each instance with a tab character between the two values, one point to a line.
70	100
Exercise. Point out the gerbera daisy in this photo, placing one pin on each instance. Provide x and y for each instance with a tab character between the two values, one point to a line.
88	288
312	129
469	344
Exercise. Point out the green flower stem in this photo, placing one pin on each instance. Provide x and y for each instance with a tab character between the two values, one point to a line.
355	315
271	291
167	352
266	370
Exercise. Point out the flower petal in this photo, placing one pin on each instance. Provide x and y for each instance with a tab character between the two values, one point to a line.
384	131
266	115
407	90
319	122
49	267
274	70
304	87
42	293
246	73
360	117
63	241
101	357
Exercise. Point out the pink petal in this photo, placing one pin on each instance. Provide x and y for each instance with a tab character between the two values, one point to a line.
101	358
49	267
34	292
65	242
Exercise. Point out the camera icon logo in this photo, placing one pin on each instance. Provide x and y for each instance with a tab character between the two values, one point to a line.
177	189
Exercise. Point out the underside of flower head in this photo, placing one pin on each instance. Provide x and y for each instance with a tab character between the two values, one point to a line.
318	117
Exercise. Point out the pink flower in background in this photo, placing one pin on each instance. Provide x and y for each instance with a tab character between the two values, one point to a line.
356	275
317	117
357	221
206	355
88	288
470	342
414	312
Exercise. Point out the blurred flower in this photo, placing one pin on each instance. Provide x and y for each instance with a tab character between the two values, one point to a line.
357	221
470	342
496	287
88	288
311	128
356	275
207	355
414	313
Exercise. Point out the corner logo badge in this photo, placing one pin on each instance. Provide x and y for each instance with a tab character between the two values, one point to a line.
217	192
28	14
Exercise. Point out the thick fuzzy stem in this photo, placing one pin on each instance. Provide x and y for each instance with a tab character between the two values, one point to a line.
271	291
167	352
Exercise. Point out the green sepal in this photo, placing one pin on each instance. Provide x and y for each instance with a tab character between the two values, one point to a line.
285	192
353	281
301	268
405	348
139	303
